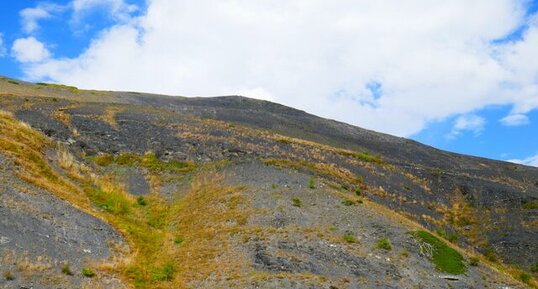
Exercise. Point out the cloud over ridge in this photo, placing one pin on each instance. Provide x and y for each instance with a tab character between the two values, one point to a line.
385	65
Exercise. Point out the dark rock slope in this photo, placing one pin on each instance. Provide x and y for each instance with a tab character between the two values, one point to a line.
317	196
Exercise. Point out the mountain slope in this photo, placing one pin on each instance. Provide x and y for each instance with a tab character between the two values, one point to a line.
234	192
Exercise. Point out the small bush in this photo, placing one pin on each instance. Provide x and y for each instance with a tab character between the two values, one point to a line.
534	267
490	254
311	183
9	276
103	160
358	192
452	237
473	261
384	244
166	273
348	203
408	188
350	238
179	240
441	232
296	202
87	272
530	205
524	277
67	270
141	201
13	82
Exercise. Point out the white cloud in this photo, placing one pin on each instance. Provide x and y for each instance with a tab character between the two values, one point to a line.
431	59
118	9
2	46
29	50
530	161
31	16
471	122
514	120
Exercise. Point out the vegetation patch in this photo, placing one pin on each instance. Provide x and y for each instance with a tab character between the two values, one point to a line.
363	156
384	244
324	169
67	270
532	205
350	238
312	183
445	258
296	202
9	276
148	160
87	272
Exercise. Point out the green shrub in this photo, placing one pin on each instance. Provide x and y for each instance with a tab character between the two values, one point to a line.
350	238
534	267
67	270
9	276
166	273
348	203
179	240
111	202
311	183
358	192
141	201
13	82
490	254
296	202
103	160
530	205
444	257
384	244
87	272
524	277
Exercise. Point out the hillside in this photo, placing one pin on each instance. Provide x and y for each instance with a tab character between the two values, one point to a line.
123	189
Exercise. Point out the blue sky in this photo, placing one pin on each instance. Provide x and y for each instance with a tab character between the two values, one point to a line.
456	75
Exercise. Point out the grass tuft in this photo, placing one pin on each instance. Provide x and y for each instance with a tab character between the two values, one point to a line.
87	272
67	270
350	238
384	244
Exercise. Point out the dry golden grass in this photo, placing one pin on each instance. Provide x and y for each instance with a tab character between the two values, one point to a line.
109	116
26	145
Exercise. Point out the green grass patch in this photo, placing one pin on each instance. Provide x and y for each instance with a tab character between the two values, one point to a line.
312	183
164	273
141	201
363	156
112	202
530	205
348	203
534	267
384	244
67	270
350	238
296	202
149	161
445	258
87	272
